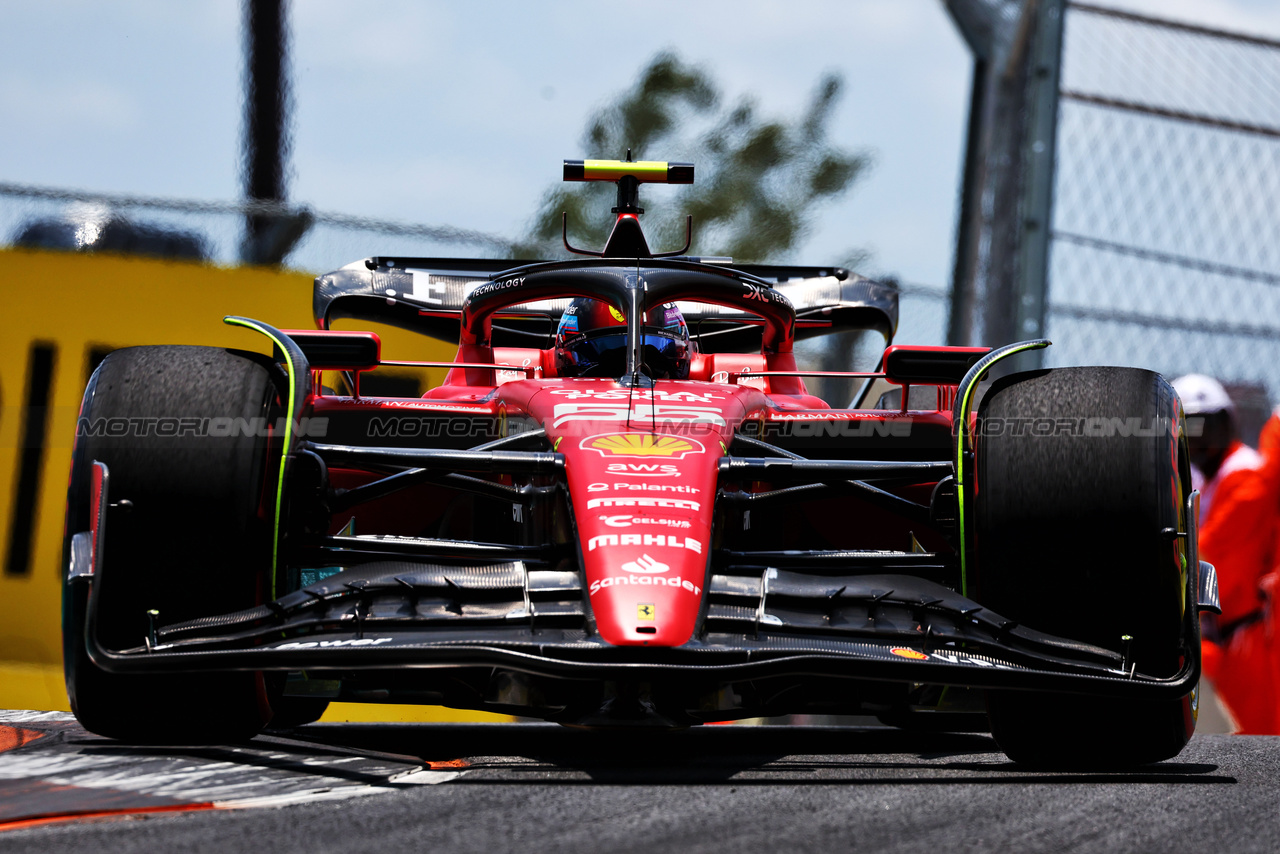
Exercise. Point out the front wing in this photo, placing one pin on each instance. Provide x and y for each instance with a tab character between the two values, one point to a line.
518	616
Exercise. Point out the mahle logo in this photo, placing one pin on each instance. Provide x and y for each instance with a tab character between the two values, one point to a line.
644	445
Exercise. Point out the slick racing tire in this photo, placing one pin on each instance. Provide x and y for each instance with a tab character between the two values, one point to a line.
186	536
1081	473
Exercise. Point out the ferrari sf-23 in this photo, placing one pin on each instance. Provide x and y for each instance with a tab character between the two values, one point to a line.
624	508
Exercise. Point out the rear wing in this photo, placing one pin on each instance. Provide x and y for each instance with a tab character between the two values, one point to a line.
426	295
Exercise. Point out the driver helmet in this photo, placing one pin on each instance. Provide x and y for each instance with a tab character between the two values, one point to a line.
591	341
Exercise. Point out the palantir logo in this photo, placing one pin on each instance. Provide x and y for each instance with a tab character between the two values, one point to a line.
646	564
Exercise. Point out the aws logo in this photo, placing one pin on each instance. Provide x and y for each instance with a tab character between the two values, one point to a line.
644	469
644	445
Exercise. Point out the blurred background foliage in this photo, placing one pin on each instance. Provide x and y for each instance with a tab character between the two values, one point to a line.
759	184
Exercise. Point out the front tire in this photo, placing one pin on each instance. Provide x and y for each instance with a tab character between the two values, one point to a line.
195	541
1078	472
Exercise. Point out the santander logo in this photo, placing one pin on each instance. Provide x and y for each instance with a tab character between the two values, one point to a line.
644	563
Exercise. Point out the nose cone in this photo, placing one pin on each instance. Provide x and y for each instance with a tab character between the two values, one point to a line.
645	600
643	502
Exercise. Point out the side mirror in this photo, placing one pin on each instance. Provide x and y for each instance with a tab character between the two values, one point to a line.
910	365
338	351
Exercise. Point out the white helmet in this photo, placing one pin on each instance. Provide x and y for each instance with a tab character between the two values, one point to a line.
1202	395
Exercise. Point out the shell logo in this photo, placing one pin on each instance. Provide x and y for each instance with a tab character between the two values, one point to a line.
642	445
914	654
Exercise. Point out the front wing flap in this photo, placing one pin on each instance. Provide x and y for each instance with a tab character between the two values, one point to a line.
518	617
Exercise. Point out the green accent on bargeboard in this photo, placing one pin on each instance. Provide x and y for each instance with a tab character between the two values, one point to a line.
967	386
278	337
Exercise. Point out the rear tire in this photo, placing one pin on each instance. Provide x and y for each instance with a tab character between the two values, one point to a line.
1068	539
196	541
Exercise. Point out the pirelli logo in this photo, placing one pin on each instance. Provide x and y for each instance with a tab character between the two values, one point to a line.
667	503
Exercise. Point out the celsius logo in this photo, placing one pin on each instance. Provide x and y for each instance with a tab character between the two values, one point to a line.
628	521
644	445
644	563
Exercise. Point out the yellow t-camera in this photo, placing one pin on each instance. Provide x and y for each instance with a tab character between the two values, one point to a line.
643	171
627	240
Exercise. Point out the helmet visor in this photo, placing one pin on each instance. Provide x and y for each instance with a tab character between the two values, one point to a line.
605	355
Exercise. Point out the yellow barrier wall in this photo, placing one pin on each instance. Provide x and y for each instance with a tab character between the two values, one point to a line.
69	306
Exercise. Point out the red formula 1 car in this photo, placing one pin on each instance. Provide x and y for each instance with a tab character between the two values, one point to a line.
623	508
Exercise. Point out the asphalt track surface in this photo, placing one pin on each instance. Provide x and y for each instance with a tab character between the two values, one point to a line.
541	788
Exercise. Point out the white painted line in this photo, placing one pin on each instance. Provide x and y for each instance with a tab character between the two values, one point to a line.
414	778
264	773
22	717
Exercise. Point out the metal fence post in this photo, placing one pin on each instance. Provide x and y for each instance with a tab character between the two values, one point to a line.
1036	203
